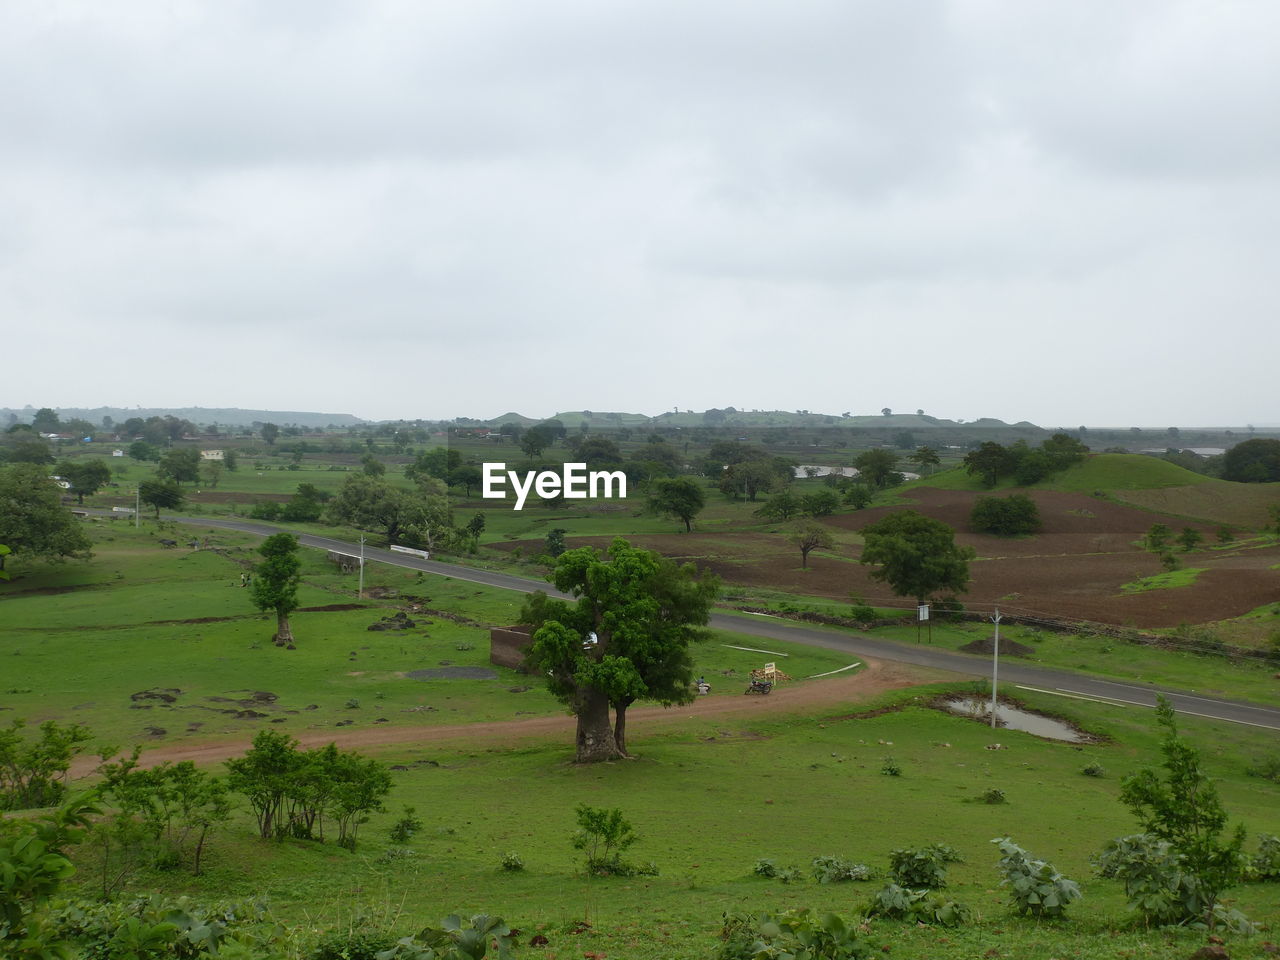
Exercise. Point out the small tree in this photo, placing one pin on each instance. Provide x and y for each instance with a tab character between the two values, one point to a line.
811	536
783	505
878	467
1190	538
924	458
1183	808
85	476
678	497
916	555
554	545
270	432
160	493
275	582
603	834
1157	537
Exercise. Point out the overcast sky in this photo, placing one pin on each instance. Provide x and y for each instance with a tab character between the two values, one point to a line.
1063	212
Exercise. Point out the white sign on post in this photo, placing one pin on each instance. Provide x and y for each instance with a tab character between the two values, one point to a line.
922	612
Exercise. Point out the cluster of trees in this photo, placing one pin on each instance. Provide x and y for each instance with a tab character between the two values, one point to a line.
1008	516
787	505
293	792
624	638
1253	461
741	469
33	521
993	462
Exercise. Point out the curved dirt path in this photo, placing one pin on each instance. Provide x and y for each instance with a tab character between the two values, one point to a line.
876	678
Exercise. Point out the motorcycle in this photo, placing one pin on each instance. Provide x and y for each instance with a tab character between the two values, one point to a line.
759	686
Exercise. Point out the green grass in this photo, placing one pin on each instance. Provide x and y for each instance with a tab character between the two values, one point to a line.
1169	580
709	799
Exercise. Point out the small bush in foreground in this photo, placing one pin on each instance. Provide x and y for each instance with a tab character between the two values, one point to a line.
917	906
799	934
923	867
512	862
1095	770
1037	889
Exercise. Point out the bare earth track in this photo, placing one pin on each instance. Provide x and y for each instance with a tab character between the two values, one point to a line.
876	678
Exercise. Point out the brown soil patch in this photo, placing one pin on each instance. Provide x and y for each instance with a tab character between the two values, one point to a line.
334	608
877	678
1073	569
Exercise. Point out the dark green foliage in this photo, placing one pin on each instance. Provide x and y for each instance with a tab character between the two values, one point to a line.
993	796
1094	770
858	495
923	866
1157	537
306	505
265	510
644	611
353	944
820	504
878	467
33	522
1253	461
678	497
454	939
1037	889
897	902
1265	864
141	450
990	461
275	582
797	934
554	545
161	493
916	555
1005	516
87	477
1182	808
33	771
783	505
890	767
1190	538
179	465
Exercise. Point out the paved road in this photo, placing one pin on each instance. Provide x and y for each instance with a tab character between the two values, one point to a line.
1045	679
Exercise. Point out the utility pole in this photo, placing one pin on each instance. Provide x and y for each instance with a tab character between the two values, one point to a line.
995	666
137	507
360	594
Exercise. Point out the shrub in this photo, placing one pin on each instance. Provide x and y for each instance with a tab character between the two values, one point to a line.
1094	770
836	870
861	612
265	510
1268	768
511	862
404	828
1265	864
454	939
796	933
352	944
890	768
1005	516
765	868
916	906
924	867
603	835
32	773
1036	887
994	795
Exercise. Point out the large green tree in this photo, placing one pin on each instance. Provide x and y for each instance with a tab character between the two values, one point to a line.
409	517
916	555
990	461
624	638
275	583
1254	461
678	497
86	477
180	465
33	521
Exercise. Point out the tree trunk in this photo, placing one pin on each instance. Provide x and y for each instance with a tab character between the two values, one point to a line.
688	524
620	725
804	559
595	734
284	634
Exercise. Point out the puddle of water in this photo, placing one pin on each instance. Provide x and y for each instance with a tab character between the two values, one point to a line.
1011	718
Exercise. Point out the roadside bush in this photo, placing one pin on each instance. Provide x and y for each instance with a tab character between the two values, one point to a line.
896	902
800	934
923	867
860	611
265	510
837	870
1036	887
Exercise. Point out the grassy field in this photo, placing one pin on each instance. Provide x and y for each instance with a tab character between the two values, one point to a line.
709	800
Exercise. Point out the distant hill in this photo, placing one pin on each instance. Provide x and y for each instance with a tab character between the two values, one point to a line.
223	416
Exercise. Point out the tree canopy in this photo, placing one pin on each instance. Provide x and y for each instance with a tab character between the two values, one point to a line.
86	477
275	583
678	497
1254	461
625	637
161	493
1005	516
33	521
878	467
916	555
